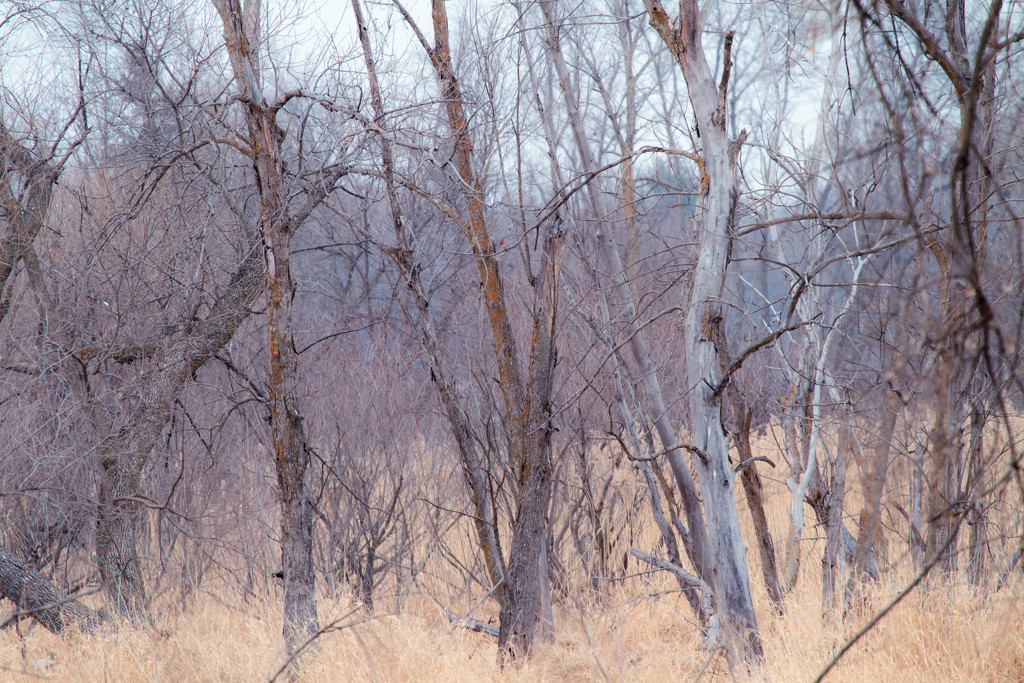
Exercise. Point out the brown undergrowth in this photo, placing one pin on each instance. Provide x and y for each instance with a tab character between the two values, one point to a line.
936	635
640	629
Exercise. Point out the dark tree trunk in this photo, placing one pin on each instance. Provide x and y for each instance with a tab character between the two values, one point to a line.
35	596
522	611
527	404
873	473
977	540
116	534
753	491
277	224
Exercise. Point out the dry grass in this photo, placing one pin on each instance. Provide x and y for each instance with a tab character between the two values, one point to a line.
941	635
640	631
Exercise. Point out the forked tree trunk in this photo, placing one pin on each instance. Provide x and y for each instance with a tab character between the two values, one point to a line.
125	452
24	203
527	404
523	610
277	224
753	490
728	553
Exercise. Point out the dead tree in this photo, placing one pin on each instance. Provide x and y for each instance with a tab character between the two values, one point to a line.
727	552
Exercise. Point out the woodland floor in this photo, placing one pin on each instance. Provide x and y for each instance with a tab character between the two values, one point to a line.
938	635
640	630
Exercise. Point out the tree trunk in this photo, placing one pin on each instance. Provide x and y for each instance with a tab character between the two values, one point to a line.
731	581
527	404
873	475
547	620
977	539
834	494
116	533
753	491
35	596
291	455
277	225
529	527
125	452
944	455
916	537
35	192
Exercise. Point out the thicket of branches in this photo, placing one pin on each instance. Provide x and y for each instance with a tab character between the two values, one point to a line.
292	305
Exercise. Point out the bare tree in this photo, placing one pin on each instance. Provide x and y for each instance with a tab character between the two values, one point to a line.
704	315
527	403
277	224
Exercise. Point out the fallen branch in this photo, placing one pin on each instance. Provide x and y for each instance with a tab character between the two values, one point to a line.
473	624
713	629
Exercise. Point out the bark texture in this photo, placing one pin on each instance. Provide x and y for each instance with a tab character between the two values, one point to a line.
753	490
172	362
728	553
527	403
277	224
125	451
874	472
35	596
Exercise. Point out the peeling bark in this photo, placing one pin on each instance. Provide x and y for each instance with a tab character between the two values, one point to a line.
727	550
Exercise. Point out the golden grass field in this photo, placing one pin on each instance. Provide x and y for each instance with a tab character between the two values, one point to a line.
940	635
640	631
